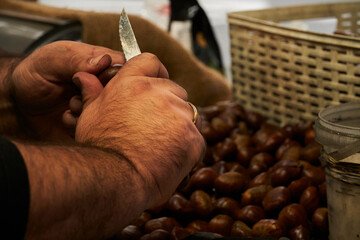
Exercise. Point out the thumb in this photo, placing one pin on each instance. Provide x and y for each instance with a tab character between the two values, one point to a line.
145	64
89	85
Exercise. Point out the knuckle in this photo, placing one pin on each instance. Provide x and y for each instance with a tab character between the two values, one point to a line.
139	87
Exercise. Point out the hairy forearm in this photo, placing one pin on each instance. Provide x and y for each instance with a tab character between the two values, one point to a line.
79	192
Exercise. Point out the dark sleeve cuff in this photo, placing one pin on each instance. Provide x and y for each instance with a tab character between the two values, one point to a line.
14	191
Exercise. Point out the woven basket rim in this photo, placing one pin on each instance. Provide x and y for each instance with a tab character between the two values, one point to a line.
246	19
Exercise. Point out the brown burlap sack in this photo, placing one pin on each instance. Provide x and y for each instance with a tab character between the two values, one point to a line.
204	85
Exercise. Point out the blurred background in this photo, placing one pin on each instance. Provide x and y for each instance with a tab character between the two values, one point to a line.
179	21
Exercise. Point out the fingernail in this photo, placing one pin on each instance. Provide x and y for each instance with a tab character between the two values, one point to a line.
96	60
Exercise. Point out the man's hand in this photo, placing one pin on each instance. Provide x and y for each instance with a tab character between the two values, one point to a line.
142	115
41	84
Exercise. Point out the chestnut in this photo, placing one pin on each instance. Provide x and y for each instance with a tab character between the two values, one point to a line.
179	206
106	75
201	203
225	150
198	226
310	199
316	174
221	224
165	223
245	154
297	186
255	195
260	179
141	220
283	175
240	229
269	228
250	214
299	233
203	178
254	120
209	133
230	183
158	234
179	233
220	167
242	140
260	163
293	215
209	112
226	205
268	138
320	220
276	198
289	149
130	232
311	152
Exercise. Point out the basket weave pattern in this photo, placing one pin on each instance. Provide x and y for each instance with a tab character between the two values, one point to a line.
287	74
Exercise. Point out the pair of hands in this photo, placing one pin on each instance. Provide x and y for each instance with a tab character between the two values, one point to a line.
139	114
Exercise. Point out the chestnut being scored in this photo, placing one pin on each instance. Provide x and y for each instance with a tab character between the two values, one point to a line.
256	180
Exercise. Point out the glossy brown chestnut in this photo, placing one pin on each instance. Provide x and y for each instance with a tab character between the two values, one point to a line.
164	223
260	163
297	186
276	198
255	195
284	175
209	112
201	203
269	228
316	174
130	232
230	183
311	152
198	226
225	150
293	215
310	199
179	206
141	220
245	154
203	178
260	179
268	138
242	140
226	205
221	224
289	149
220	167
240	229
299	233
254	120
250	214
320	220
158	234
179	233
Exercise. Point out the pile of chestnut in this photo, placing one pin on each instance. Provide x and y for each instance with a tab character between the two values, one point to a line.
256	180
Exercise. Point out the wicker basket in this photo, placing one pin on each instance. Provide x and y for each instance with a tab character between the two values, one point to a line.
288	74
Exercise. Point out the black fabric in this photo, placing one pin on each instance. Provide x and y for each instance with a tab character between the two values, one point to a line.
14	191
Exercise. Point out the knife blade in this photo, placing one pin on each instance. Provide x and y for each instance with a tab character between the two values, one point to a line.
127	37
129	45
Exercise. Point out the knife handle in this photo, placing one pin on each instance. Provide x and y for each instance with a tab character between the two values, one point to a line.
106	75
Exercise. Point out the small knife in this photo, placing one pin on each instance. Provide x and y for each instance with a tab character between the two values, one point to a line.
127	37
129	45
